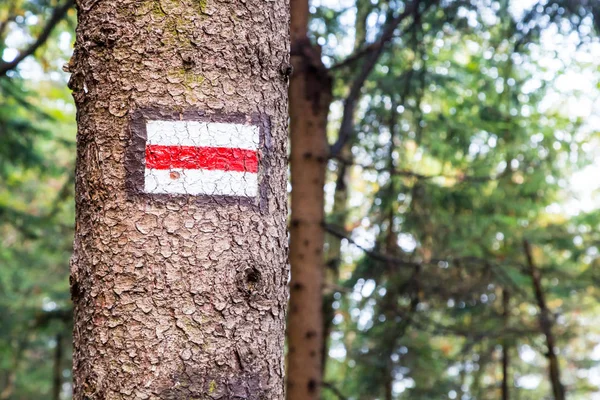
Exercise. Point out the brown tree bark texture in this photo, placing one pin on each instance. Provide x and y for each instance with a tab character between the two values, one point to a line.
310	96
305	322
177	298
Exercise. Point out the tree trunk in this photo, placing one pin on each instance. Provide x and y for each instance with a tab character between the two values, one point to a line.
558	390
179	285
57	371
505	347
337	218
339	212
310	96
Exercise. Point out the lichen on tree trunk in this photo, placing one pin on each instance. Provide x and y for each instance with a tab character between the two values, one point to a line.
177	298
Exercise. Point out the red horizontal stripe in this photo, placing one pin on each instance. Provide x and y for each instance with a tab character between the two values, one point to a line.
211	158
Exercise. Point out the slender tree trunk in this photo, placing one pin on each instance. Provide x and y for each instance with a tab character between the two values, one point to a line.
57	379
310	96
334	253
389	387
545	325
179	295
339	212
505	347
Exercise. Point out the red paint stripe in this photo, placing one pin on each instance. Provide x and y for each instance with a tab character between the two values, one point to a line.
211	158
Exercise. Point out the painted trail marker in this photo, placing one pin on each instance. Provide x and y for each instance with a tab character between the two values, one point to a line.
201	158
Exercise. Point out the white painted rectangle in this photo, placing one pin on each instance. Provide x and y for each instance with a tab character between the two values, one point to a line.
203	134
201	182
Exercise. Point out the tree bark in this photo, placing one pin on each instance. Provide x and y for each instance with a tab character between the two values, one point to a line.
310	96
558	389
178	296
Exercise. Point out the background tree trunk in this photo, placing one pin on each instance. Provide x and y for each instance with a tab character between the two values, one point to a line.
310	96
337	218
57	368
178	297
505	347
558	390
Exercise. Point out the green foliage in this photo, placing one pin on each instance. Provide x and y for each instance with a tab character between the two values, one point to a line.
17	128
459	158
37	144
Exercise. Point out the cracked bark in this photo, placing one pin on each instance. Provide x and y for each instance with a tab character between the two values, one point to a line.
177	298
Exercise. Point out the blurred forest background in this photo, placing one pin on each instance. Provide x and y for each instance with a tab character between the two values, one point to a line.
462	250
